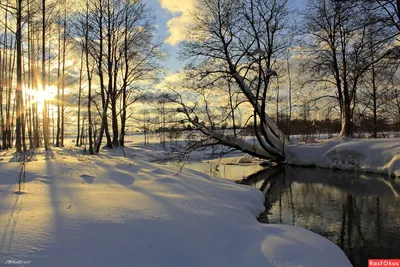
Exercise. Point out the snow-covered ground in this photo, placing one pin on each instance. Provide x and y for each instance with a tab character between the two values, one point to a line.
368	155
111	210
154	151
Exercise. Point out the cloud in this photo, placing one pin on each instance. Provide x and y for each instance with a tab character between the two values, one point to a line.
178	24
173	80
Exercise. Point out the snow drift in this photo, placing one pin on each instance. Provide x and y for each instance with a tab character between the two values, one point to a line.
368	155
113	211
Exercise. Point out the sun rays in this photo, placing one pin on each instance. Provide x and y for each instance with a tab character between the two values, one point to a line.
39	95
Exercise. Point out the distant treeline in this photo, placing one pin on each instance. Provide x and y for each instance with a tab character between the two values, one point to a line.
306	127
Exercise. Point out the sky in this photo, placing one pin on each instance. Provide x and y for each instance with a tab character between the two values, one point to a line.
172	18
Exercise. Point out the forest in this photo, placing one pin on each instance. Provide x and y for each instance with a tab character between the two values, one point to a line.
258	64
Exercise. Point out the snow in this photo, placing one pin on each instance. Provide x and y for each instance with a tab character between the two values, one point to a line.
172	150
308	154
110	210
368	155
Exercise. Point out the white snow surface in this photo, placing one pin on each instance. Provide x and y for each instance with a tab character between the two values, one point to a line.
368	155
108	210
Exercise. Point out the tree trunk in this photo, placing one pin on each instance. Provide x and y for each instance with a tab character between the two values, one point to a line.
79	101
104	95
114	122
58	89
19	119
2	70
374	98
346	122
44	113
63	76
89	107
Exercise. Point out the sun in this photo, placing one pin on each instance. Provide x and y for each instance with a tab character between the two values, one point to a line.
40	96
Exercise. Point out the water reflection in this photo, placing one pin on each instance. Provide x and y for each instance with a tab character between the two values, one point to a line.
231	172
358	212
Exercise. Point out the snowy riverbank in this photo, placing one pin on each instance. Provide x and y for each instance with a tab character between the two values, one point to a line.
367	155
108	210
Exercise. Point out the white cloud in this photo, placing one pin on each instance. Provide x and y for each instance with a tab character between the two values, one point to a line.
178	24
174	80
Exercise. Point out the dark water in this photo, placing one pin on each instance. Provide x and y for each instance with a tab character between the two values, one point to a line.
358	212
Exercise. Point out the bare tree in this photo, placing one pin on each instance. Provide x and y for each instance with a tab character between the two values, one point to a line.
20	139
340	52
121	44
78	125
238	41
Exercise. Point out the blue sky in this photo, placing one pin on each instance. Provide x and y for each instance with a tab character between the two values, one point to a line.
172	17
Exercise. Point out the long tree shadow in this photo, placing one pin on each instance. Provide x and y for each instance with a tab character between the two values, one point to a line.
11	223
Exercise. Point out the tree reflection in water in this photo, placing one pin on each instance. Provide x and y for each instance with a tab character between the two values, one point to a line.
358	212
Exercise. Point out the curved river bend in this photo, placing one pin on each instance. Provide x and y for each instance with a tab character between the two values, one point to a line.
357	211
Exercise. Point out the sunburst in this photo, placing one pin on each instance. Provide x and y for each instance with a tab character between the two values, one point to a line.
39	95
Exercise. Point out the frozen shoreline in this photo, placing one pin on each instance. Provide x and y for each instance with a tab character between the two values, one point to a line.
366	155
